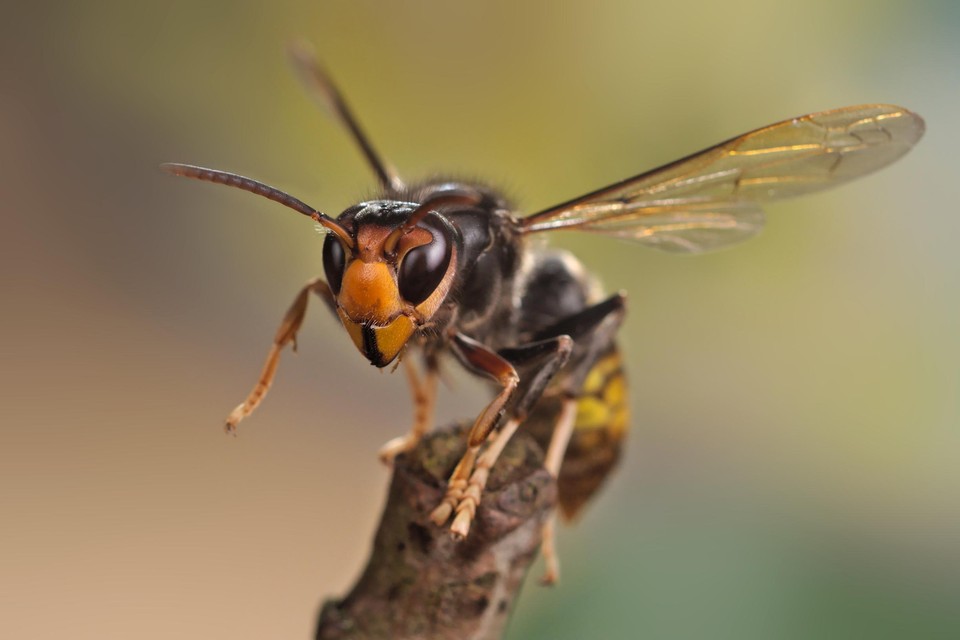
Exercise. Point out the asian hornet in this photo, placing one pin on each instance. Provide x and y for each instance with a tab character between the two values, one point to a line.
444	266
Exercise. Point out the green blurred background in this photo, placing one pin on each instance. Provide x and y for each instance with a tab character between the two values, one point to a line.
792	470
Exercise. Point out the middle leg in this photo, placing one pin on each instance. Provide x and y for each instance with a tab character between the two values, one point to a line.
539	362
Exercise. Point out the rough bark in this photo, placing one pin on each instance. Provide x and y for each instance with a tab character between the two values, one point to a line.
420	582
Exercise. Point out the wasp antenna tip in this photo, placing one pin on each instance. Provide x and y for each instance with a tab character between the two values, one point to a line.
299	47
171	168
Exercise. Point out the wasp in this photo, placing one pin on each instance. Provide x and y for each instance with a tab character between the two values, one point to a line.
445	266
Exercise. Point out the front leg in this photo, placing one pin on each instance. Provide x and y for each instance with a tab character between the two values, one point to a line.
424	399
286	334
542	360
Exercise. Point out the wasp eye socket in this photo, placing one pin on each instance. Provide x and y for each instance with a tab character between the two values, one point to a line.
423	267
333	262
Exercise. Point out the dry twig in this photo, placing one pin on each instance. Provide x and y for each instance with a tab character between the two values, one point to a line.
422	583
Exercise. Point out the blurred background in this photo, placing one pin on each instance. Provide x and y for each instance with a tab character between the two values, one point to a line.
792	470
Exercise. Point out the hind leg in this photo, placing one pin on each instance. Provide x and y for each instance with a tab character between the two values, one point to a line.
594	329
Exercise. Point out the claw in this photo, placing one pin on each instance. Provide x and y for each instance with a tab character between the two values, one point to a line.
441	514
550	578
461	524
395	447
230	427
551	575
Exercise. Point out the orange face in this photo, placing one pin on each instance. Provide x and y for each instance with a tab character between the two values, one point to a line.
390	283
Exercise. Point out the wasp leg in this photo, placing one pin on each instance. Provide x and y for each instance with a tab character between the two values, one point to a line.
593	329
538	362
286	334
542	360
558	446
424	399
548	547
485	362
466	508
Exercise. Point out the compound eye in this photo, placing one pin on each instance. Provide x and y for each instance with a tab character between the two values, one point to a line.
423	267
333	262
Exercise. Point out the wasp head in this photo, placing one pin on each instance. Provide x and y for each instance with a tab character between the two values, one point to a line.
391	275
390	264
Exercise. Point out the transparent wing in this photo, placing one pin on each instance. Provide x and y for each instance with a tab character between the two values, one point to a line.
710	199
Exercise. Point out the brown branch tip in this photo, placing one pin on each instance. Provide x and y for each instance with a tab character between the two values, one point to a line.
419	581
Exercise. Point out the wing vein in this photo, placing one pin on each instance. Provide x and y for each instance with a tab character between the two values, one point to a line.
712	199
